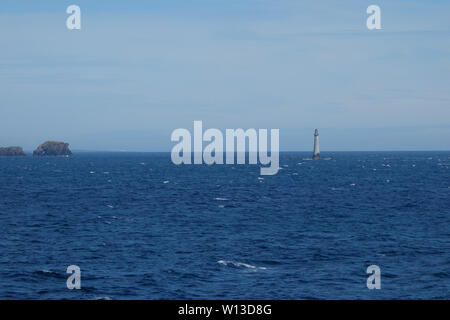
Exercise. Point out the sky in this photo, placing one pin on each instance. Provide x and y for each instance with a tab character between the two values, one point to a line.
137	70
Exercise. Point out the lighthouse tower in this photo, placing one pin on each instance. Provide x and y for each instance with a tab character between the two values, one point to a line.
316	154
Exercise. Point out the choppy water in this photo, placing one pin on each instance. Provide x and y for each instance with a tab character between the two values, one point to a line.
140	227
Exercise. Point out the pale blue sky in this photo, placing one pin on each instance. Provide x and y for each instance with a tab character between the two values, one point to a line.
137	70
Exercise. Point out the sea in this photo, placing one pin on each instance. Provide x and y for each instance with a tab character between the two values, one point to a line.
140	227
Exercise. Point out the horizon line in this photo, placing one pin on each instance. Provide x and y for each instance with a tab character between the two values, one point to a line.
281	151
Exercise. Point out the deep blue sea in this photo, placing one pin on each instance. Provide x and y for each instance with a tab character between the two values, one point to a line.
140	227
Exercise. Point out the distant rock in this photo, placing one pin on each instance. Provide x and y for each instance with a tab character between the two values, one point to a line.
12	151
53	148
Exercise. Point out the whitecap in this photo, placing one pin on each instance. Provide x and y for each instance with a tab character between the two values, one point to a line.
221	199
167	181
240	265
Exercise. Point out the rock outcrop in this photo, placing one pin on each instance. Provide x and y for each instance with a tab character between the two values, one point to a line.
53	148
12	151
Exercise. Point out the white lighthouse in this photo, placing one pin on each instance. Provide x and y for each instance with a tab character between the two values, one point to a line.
316	154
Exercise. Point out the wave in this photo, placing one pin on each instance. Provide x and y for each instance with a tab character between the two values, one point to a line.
240	265
50	273
102	298
46	271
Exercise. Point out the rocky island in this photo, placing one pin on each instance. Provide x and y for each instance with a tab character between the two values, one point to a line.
12	151
53	148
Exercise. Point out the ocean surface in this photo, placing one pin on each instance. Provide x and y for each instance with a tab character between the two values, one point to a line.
140	227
